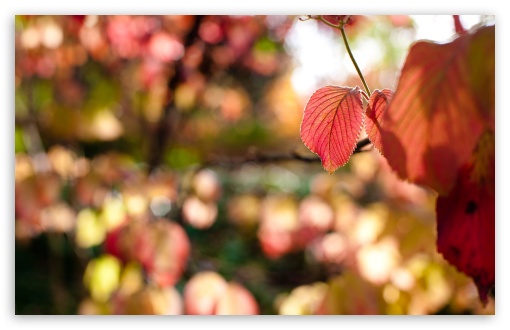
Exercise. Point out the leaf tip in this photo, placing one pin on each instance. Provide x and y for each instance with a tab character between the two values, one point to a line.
329	168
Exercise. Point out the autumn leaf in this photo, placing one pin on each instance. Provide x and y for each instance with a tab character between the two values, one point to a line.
466	219
377	105
331	124
443	102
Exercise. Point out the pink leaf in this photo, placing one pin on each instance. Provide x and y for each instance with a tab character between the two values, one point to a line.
443	102
377	105
332	122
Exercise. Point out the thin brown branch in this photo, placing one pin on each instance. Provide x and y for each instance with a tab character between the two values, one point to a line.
260	158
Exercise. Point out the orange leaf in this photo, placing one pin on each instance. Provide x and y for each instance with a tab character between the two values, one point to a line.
440	108
332	122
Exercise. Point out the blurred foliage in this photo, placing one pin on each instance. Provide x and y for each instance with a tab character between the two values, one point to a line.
140	190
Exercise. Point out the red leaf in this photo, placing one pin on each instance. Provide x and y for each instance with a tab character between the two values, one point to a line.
332	122
377	105
466	219
440	108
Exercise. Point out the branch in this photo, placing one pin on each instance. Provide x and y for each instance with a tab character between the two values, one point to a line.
271	158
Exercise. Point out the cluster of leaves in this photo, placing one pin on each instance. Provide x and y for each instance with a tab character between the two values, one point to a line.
111	219
436	129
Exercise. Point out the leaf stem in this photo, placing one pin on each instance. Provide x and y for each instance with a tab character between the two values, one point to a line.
354	61
459	29
341	28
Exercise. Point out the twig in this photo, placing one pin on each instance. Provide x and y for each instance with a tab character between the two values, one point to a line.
271	158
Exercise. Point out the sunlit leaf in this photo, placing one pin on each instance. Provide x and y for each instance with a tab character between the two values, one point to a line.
332	122
440	108
377	105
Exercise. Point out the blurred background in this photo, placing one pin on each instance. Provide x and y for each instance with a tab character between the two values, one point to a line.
159	170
